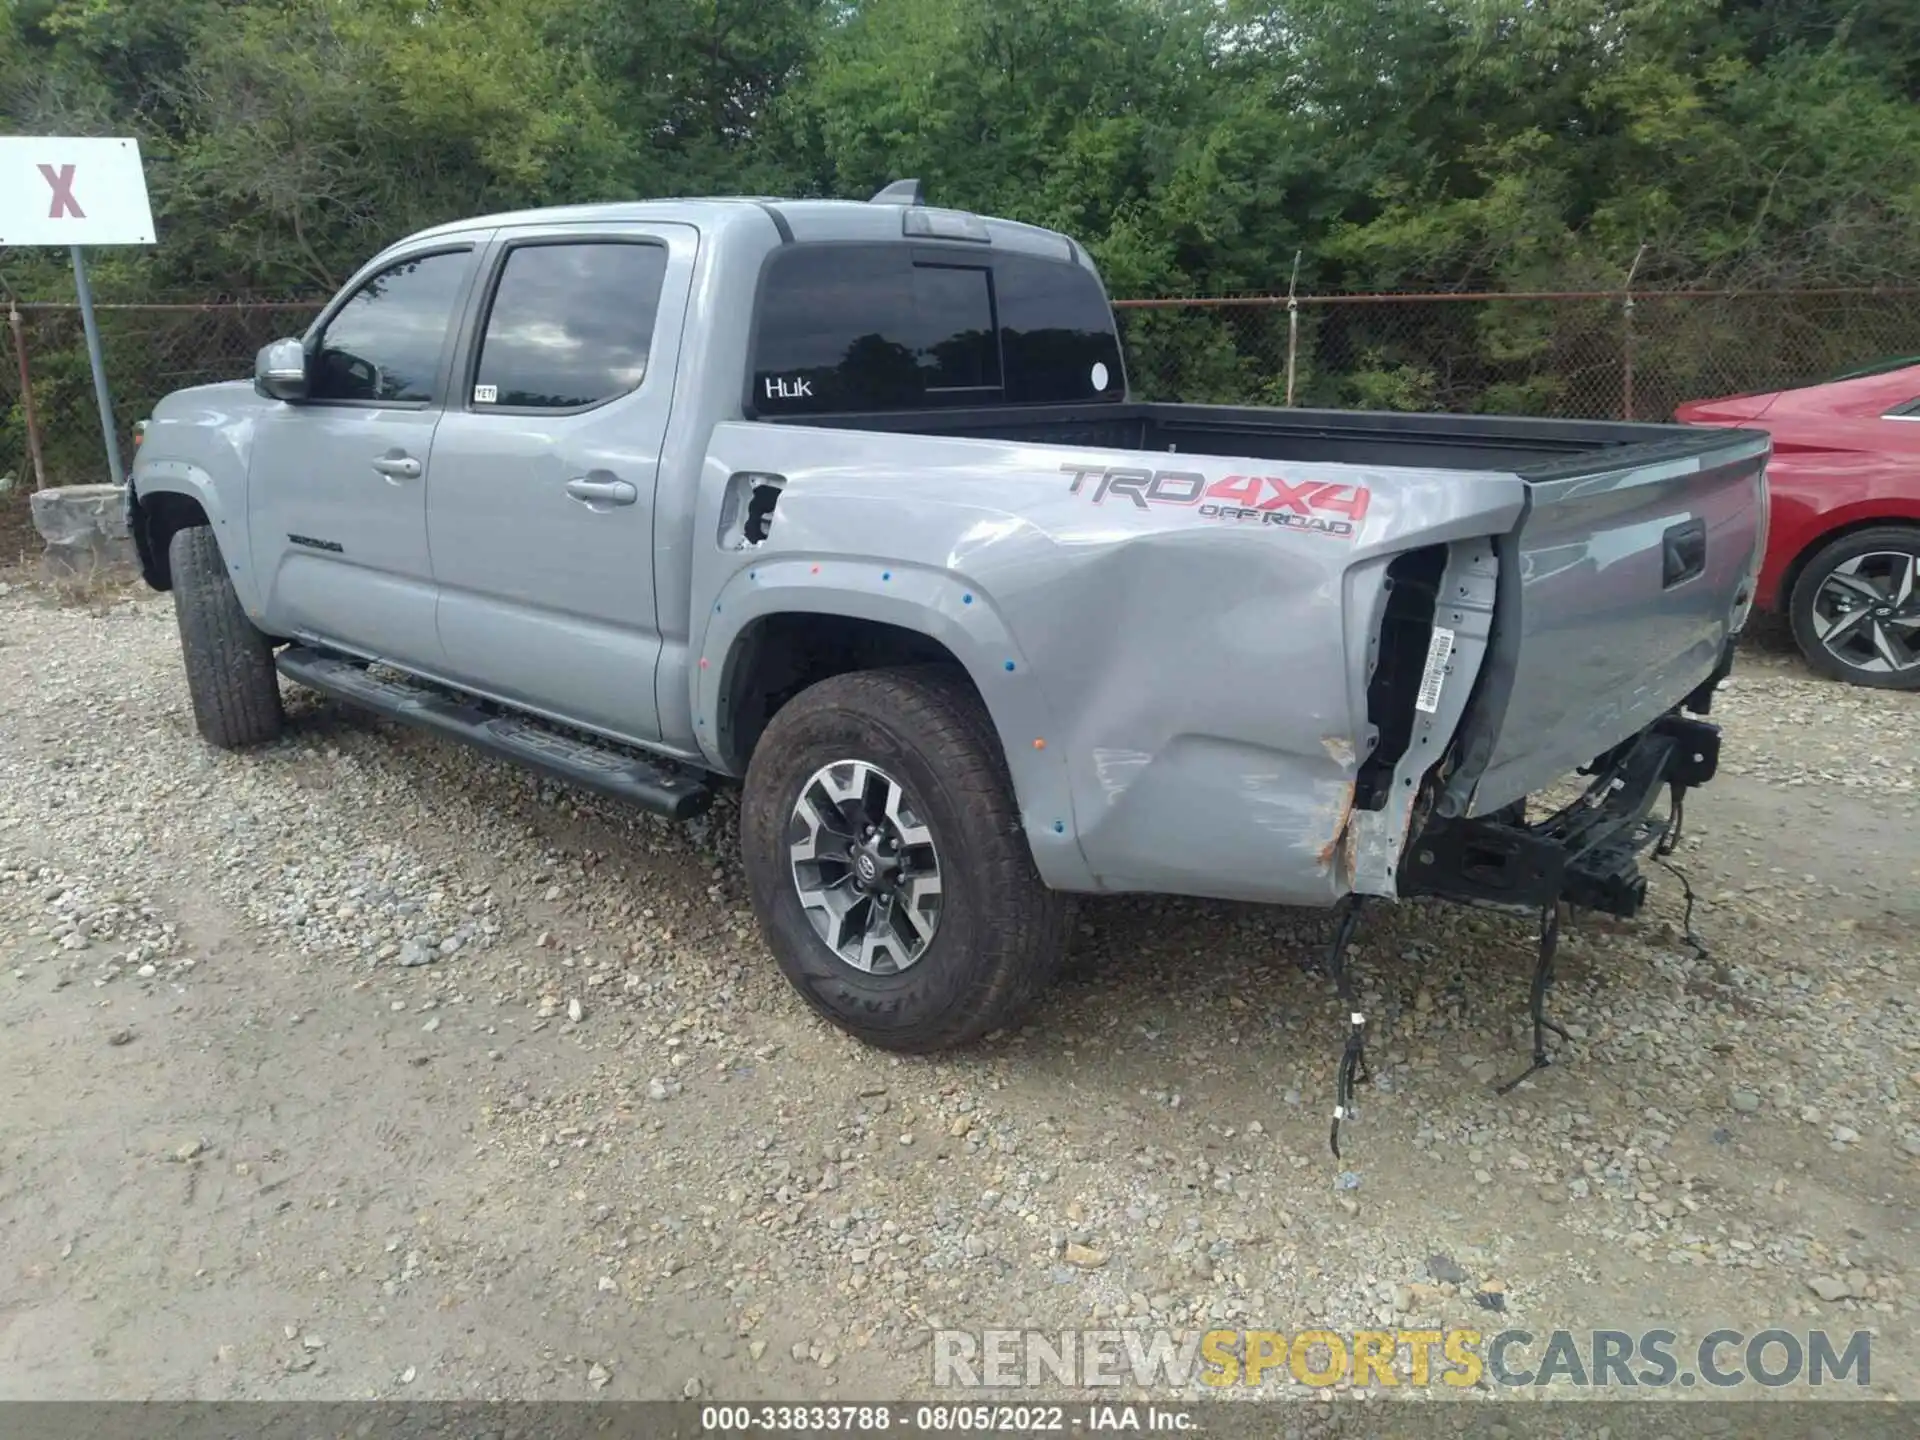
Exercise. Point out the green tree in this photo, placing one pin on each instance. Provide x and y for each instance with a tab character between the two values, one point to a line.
1194	146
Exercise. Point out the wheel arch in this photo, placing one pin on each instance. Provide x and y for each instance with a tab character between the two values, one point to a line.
164	498
156	521
775	656
782	626
1853	524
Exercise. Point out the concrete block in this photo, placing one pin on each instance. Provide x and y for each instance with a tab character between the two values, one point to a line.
85	527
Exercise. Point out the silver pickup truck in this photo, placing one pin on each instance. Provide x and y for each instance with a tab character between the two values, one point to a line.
848	504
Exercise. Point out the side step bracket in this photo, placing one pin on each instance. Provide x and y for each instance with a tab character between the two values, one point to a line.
578	759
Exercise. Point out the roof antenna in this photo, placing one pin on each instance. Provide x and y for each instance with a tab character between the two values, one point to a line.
901	192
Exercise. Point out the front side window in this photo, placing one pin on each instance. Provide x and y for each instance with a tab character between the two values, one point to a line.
570	325
384	344
848	328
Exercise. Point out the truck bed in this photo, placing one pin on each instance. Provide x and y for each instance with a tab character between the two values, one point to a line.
1579	580
1509	444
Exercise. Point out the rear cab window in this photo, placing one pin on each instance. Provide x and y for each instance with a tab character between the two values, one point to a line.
851	328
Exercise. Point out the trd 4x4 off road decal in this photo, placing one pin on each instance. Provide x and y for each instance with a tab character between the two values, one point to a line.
1320	507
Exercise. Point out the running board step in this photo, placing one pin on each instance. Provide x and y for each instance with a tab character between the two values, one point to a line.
574	758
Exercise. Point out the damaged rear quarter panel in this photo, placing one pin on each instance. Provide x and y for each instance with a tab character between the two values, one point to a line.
1198	684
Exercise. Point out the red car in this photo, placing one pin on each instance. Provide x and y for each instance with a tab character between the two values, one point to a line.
1843	544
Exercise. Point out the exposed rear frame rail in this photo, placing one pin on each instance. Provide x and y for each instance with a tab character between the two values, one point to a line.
1585	854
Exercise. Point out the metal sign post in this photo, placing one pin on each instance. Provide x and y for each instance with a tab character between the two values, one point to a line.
101	394
75	192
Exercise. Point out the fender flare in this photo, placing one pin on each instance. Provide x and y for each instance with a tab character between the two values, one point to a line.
179	477
930	602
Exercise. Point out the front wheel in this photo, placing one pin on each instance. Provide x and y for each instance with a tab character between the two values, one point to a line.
887	865
230	675
1856	608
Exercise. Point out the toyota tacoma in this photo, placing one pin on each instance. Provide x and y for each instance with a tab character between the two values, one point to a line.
849	506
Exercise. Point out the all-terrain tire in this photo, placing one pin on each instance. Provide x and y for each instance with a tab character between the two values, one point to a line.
1883	540
1001	934
230	675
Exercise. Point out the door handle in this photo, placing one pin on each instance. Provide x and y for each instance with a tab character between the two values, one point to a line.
602	492
398	467
1683	552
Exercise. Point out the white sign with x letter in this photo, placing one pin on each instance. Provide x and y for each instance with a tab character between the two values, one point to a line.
66	191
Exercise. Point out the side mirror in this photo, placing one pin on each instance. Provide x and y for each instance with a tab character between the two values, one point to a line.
280	370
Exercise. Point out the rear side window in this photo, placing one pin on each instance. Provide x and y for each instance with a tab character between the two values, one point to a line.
847	328
570	325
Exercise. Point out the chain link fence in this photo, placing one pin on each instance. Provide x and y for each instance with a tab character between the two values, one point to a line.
1577	356
150	350
1596	356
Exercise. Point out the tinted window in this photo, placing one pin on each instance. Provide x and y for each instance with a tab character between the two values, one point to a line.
570	324
888	327
384	343
951	328
1057	332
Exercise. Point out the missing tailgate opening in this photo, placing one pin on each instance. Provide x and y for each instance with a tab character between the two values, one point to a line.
1413	587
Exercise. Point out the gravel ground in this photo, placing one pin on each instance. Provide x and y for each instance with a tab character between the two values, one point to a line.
363	1066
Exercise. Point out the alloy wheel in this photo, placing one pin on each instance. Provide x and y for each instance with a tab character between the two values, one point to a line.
865	866
1867	612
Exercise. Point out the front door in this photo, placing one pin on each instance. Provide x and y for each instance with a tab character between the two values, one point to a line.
540	509
337	507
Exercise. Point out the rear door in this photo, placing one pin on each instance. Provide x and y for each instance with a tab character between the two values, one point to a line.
337	510
541	508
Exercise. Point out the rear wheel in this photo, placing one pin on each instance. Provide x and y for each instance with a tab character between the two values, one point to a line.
229	663
887	865
1856	608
